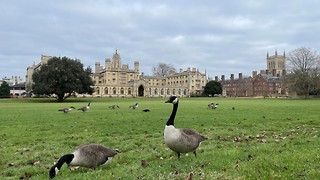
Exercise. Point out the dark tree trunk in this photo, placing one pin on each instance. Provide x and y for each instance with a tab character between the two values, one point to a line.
60	97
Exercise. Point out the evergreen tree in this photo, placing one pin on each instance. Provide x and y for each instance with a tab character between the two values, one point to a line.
4	90
62	77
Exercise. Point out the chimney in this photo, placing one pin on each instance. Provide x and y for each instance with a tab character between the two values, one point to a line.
97	69
254	74
108	63
136	66
222	78
240	76
232	77
216	78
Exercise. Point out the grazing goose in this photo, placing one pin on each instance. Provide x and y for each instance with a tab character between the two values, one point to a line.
85	108
86	155
180	140
66	110
114	107
134	106
213	105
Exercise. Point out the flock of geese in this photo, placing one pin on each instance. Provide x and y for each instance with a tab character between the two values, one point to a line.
83	109
179	140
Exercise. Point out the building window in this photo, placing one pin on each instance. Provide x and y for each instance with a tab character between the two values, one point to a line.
106	91
129	91
121	91
114	90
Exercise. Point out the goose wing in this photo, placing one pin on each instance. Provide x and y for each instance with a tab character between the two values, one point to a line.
95	154
63	109
191	132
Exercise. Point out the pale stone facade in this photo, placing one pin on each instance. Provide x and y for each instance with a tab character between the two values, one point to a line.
117	80
276	64
30	70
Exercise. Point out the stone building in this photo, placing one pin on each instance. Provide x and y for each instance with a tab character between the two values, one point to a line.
118	80
267	83
30	70
276	63
16	85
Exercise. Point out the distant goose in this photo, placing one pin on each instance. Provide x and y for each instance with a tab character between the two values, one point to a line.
86	155
66	110
213	105
146	110
85	108
180	140
134	106
114	107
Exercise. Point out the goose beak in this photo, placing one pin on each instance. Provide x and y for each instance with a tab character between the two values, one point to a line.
168	101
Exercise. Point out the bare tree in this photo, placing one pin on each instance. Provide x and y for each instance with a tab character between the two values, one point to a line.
163	70
303	67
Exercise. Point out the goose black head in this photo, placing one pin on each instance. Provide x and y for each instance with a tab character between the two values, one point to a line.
72	107
173	100
53	171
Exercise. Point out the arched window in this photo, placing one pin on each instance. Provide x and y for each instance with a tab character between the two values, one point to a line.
121	91
174	91
185	92
114	90
129	90
156	91
98	90
106	91
161	91
179	92
168	92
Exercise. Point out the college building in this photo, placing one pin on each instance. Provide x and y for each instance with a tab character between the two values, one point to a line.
266	83
114	79
118	80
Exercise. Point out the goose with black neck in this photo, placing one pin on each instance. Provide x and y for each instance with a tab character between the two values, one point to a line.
180	140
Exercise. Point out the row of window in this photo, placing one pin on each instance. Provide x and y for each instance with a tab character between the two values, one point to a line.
129	91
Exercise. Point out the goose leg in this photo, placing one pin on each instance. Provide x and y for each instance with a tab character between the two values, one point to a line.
178	155
195	153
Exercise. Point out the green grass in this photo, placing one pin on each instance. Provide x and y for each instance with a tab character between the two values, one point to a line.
260	139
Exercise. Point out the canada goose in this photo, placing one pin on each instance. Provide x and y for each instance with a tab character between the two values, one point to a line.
86	155
114	107
85	108
213	105
66	110
146	110
134	106
180	140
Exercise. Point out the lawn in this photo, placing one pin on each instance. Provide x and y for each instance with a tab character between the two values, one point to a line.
259	139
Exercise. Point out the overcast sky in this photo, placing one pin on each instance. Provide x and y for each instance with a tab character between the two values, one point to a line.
214	36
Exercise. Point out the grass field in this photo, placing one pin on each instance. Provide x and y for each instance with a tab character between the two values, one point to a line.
260	139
